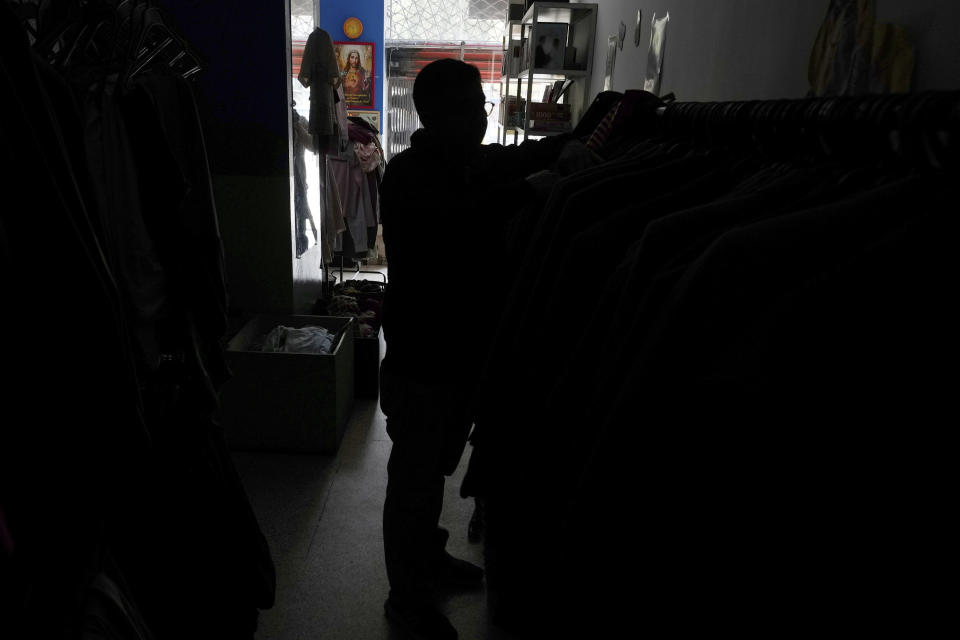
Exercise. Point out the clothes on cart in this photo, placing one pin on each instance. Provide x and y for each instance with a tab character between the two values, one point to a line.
744	421
357	172
358	299
359	209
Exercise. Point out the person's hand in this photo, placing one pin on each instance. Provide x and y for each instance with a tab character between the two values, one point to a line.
574	157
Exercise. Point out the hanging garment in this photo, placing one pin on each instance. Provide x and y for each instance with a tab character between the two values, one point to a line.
109	610
57	479
368	155
319	72
358	133
114	169
854	54
840	61
118	478
746	330
333	210
178	201
343	125
353	189
892	59
599	136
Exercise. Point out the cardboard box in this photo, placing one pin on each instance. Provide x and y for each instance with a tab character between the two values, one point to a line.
549	111
549	117
289	402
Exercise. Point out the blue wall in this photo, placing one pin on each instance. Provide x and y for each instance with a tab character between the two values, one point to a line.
243	86
333	13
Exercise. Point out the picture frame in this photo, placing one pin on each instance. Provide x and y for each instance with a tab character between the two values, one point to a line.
357	64
550	45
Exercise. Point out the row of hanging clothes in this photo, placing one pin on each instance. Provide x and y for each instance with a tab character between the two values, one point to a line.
350	158
718	393
122	513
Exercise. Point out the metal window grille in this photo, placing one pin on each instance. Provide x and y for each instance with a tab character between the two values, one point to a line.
471	21
402	117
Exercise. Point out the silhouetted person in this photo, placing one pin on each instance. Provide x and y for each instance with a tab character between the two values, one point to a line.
302	140
443	202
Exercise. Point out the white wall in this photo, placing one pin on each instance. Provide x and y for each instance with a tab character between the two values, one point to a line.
759	49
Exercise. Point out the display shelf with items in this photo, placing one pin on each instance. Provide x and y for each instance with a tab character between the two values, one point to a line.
555	57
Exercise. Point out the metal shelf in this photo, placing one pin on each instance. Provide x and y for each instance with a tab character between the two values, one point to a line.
582	21
555	74
538	77
558	11
542	132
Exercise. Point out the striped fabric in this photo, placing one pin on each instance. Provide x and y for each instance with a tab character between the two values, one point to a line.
600	134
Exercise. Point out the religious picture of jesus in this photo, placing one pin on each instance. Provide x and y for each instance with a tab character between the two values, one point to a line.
356	64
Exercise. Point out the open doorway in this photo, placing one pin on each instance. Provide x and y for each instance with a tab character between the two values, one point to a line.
307	202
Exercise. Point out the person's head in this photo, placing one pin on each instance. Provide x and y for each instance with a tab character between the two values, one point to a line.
450	100
353	60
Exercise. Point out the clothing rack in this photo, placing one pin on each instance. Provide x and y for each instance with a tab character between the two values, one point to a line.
359	270
119	174
766	288
130	32
911	125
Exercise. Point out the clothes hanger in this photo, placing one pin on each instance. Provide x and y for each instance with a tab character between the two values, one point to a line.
99	18
27	12
156	38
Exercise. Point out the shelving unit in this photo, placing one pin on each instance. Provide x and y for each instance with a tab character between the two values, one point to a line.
581	21
512	34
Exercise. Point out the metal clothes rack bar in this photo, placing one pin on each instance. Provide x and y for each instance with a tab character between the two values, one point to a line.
920	110
920	127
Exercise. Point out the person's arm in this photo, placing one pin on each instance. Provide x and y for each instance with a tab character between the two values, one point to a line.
515	162
302	131
563	154
528	171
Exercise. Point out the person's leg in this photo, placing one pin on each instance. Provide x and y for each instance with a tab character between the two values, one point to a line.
412	508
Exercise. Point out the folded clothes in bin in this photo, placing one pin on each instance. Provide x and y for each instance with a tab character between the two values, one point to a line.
283	339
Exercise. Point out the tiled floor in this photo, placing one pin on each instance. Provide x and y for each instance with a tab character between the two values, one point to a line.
322	518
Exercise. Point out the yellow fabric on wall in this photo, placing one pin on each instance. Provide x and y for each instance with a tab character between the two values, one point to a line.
854	54
892	59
